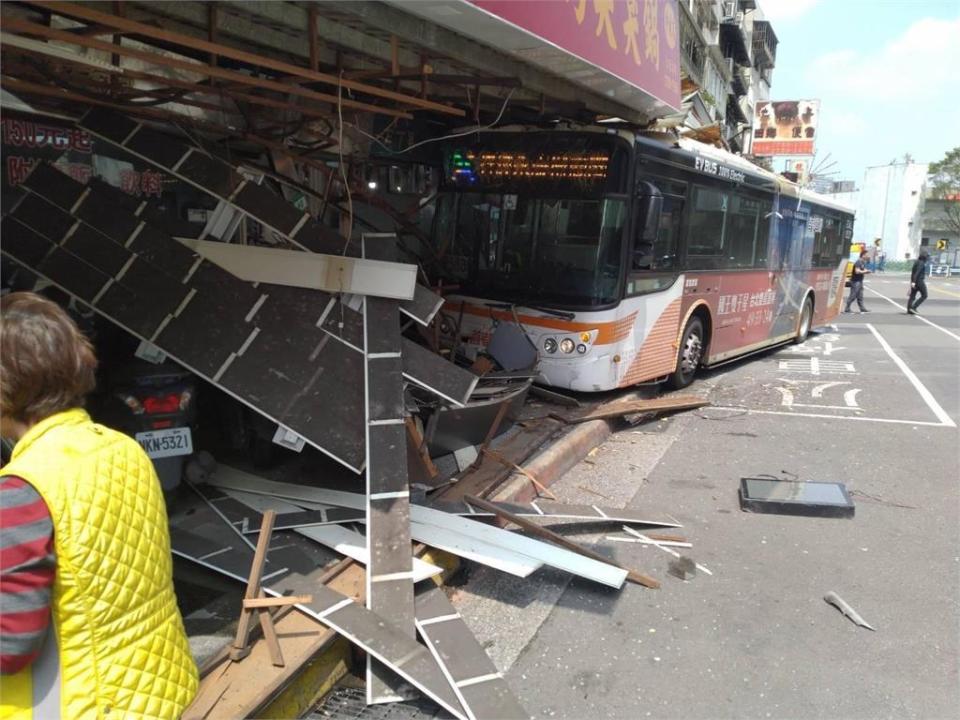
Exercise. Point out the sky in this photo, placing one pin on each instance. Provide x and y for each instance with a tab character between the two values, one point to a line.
887	73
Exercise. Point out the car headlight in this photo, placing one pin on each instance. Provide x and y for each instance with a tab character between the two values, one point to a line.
567	345
581	348
550	345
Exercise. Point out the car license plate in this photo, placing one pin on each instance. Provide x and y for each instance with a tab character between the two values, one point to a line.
166	443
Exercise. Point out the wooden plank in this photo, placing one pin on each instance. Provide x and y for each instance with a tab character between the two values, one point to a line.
29	28
517	446
130	26
315	271
240	642
372	633
265	602
550	536
666	403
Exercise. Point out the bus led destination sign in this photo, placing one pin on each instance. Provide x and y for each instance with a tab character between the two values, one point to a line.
504	165
556	166
712	167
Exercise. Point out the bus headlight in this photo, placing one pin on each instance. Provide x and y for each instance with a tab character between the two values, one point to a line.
581	349
567	345
550	345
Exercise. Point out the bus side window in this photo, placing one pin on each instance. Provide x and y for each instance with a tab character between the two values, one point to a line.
706	234
655	248
655	252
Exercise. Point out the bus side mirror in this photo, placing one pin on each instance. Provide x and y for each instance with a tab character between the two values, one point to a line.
649	207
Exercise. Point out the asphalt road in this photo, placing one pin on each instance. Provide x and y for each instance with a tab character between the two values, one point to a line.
872	402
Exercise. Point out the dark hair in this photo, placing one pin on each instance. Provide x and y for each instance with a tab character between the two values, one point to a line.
864	252
46	364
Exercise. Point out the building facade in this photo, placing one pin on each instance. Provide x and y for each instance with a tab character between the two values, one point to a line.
890	208
728	53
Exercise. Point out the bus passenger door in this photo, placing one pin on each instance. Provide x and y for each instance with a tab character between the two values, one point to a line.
653	295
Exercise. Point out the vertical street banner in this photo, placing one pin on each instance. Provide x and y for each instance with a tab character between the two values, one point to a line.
785	127
634	40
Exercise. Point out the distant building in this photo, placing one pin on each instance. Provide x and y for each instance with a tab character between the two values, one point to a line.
940	233
890	207
727	55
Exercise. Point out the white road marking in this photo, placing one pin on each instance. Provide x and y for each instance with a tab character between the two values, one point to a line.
919	317
850	397
816	366
786	396
818	390
749	411
927	396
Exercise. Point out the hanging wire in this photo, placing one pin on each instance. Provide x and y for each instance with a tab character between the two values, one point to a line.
464	133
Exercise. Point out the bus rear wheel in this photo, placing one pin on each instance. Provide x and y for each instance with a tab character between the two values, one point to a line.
689	355
806	320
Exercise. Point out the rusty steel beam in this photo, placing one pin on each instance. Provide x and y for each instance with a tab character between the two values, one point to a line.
29	28
131	26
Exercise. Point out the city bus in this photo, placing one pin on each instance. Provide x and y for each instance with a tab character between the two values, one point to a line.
629	260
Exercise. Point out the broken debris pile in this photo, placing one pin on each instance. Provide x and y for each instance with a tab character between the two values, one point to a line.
311	339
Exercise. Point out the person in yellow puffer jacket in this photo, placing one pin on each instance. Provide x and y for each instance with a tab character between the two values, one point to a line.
86	545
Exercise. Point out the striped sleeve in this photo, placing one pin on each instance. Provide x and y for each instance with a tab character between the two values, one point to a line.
27	570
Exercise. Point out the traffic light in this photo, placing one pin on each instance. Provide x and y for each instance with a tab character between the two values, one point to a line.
943	244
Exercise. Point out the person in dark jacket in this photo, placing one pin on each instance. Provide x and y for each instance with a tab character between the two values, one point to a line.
856	282
918	282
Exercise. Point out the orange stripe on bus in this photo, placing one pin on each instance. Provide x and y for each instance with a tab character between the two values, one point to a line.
658	354
607	332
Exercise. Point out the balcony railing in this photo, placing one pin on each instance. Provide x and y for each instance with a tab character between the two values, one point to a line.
764	44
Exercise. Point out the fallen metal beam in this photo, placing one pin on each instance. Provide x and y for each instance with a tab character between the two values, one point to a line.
389	573
478	684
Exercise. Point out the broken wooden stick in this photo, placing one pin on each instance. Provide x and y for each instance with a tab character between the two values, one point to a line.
539	486
254	593
840	604
556	539
660	545
269	602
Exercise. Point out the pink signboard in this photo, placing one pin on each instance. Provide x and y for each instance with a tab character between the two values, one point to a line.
635	40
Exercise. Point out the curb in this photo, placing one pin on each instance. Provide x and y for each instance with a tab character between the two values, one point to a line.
551	464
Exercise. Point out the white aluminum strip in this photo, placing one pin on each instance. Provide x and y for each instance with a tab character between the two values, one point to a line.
479	679
330	273
551	555
338	538
133	236
389	495
493	556
438	619
317	498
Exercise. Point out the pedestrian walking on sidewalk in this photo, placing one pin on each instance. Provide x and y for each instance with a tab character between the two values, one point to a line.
88	616
856	282
918	282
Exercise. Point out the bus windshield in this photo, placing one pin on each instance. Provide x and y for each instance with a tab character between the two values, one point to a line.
535	217
533	249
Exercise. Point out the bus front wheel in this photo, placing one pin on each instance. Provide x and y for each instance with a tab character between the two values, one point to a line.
689	355
806	320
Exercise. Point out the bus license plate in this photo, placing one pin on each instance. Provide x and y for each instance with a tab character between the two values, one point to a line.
166	443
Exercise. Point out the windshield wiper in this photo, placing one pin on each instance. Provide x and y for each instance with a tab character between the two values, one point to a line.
565	314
